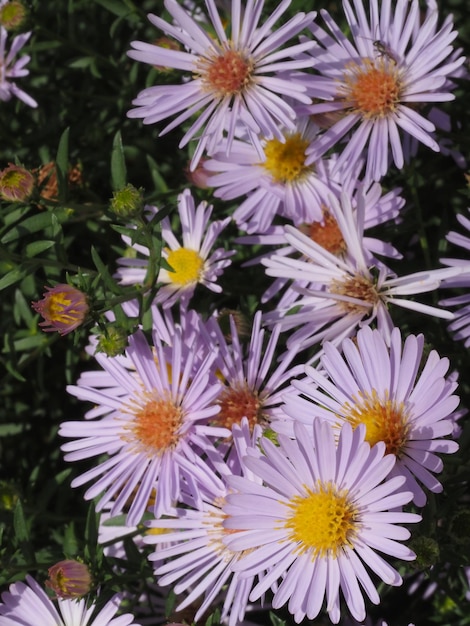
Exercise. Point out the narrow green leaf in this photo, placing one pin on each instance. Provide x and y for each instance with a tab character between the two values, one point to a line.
16	274
114	6
36	247
62	165
19	523
30	225
118	164
103	271
91	533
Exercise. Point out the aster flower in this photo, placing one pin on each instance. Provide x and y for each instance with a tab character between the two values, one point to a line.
460	326
253	381
410	412
29	604
344	293
69	579
149	425
381	80
198	563
357	514
63	307
10	70
234	80
369	206
279	183
192	262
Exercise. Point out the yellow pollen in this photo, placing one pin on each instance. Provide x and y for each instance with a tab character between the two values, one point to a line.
235	404
327	234
226	74
385	420
157	421
322	522
373	89
285	162
56	308
357	287
187	266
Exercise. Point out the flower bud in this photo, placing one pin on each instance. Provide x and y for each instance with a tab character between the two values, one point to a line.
69	579
63	308
13	15
113	340
16	184
127	202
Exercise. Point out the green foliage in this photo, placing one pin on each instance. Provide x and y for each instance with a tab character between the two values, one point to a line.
84	83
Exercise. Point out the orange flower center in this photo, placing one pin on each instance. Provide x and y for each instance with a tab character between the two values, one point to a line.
157	422
326	234
357	287
226	74
372	89
236	403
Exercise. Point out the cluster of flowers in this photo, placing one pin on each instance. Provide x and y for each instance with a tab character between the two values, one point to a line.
267	473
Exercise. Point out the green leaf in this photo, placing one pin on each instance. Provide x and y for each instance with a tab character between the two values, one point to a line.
106	277
30	225
16	274
91	533
158	181
114	6
36	247
118	164
19	523
62	165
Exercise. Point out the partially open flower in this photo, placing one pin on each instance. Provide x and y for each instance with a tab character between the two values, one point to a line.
63	308
69	579
16	183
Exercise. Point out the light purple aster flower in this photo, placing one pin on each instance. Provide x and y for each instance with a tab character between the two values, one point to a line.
10	70
151	421
239	79
198	563
193	263
381	80
279	183
323	513
29	604
460	326
408	408
336	295
254	375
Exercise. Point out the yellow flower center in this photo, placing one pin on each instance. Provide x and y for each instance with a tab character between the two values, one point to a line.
187	266
357	287
236	403
372	89
226	74
57	309
285	162
322	522
157	422
385	420
326	234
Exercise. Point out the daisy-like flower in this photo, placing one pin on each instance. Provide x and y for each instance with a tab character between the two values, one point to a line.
239	79
198	563
460	326
150	421
408	408
254	379
10	69
381	80
280	183
343	293
192	262
322	514
26	604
